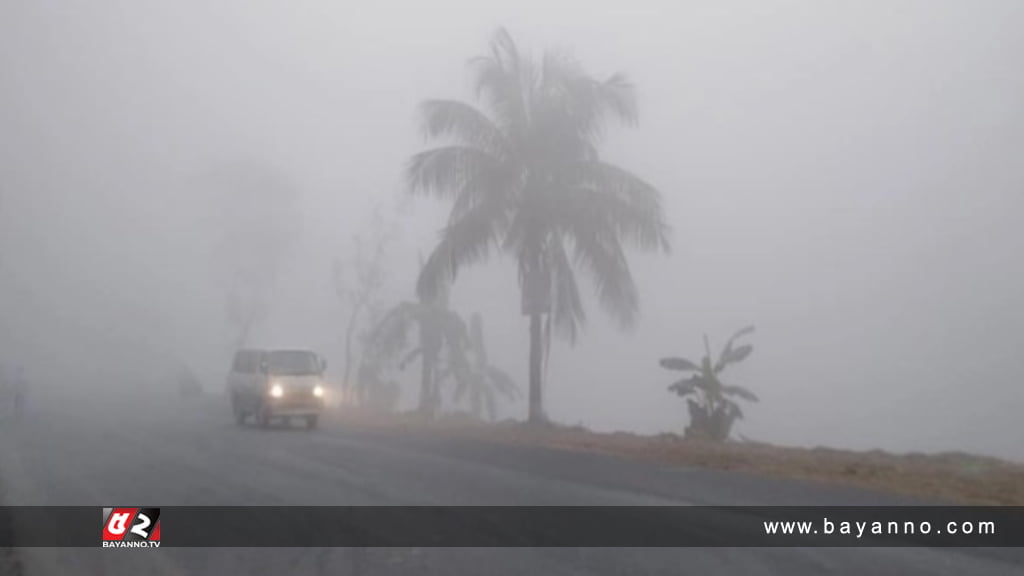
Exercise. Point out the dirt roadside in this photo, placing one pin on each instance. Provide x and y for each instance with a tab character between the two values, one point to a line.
956	478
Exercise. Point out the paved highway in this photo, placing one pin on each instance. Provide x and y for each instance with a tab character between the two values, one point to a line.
161	451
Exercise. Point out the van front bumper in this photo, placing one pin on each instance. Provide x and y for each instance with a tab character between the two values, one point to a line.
286	407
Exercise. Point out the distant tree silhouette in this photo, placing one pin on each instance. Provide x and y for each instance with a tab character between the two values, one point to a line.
357	282
258	217
376	389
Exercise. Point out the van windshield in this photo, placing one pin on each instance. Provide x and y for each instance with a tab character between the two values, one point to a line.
293	363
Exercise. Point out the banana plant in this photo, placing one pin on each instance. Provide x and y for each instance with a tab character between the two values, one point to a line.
441	333
712	408
476	380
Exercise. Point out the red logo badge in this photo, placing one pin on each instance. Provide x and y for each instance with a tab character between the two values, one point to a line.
131	528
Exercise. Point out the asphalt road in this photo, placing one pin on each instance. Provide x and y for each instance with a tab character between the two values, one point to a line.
164	452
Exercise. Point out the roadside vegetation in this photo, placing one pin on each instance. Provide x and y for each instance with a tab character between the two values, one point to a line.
358	280
441	337
950	478
713	411
478	384
523	173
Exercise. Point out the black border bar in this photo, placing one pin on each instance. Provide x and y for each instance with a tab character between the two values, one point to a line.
528	526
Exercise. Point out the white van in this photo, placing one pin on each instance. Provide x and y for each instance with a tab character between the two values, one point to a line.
277	384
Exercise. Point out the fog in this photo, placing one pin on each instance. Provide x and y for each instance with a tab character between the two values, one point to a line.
844	176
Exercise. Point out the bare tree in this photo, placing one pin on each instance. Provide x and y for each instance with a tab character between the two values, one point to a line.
246	305
358	281
258	220
376	386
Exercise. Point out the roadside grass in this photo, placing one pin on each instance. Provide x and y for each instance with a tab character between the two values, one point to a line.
951	477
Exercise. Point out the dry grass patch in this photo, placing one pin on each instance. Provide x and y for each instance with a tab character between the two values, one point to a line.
956	478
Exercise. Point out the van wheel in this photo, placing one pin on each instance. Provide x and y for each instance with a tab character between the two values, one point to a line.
311	422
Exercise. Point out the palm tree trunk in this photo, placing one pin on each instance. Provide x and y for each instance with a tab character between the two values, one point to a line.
536	415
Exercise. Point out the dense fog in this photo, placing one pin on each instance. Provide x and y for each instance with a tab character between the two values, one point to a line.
844	176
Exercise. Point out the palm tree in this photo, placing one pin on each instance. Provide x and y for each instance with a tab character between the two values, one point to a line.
476	378
525	178
712	410
439	329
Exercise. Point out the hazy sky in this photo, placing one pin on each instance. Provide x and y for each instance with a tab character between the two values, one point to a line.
844	175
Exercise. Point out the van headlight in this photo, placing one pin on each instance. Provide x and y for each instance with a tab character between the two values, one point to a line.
318	391
276	391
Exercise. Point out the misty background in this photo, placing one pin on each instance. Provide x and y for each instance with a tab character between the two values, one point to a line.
845	176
